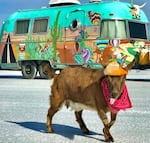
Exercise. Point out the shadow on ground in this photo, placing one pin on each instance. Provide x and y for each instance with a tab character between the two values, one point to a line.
140	80
63	130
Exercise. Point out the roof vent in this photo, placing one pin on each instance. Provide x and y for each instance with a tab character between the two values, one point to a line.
95	1
53	3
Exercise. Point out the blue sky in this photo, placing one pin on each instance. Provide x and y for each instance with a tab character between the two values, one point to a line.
7	7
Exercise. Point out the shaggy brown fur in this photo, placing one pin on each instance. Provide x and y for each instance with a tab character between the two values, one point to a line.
80	88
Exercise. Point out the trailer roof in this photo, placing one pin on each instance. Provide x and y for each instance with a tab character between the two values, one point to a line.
55	2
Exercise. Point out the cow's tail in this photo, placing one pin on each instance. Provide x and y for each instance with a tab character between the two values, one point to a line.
49	71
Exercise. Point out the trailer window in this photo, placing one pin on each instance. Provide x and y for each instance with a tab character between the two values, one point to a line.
40	25
113	29
137	30
22	26
74	25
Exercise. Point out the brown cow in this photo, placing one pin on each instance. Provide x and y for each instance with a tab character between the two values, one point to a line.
79	88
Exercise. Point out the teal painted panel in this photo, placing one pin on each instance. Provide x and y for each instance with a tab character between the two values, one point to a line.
106	10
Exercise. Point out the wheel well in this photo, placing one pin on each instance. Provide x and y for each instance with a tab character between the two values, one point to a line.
37	62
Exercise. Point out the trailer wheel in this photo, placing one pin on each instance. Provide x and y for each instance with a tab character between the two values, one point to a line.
29	70
42	73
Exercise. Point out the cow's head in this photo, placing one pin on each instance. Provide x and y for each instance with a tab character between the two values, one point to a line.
116	76
115	85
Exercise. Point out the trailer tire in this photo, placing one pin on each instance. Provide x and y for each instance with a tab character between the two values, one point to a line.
42	73
29	70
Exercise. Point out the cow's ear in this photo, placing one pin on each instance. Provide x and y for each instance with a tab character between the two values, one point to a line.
103	64
129	66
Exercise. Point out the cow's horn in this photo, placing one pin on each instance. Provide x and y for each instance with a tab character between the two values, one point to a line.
142	5
130	65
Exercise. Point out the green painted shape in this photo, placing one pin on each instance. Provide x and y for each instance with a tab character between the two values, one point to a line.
55	34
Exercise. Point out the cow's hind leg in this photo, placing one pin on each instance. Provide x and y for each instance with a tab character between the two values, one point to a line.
79	119
107	135
55	106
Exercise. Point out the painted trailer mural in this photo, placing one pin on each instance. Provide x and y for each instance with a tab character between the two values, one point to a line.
74	34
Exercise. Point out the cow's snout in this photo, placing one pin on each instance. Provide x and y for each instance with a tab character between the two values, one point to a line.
115	95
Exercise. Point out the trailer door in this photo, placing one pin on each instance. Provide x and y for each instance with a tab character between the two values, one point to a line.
74	24
8	59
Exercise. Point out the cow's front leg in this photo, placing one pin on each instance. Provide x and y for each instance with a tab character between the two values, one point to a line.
113	119
107	135
81	122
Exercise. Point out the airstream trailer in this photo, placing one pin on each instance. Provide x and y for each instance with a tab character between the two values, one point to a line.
69	33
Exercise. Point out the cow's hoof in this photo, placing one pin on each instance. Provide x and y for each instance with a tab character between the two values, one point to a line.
85	131
110	139
50	130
